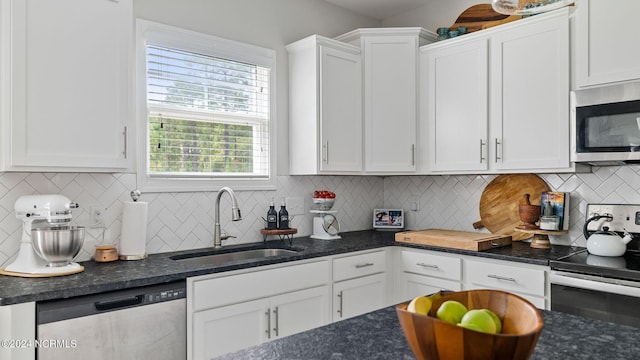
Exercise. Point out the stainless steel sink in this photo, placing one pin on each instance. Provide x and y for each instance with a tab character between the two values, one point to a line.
226	257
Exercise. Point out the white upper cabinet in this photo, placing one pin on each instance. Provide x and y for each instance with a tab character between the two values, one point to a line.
498	100
606	42
390	68
456	108
325	107
529	106
67	104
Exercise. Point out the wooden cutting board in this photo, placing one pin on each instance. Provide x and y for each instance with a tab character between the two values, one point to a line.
500	200
454	239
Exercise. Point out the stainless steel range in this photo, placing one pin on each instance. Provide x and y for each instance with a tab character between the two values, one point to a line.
602	287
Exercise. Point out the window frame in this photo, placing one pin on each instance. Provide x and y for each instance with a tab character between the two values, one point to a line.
187	40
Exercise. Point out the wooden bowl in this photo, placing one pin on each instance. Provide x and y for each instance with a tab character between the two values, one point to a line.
105	253
431	338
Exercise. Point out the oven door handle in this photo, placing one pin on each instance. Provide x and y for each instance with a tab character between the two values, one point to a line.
590	283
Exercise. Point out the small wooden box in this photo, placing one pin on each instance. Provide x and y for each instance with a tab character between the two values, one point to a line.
454	239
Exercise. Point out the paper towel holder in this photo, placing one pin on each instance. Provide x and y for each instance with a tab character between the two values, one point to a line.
137	255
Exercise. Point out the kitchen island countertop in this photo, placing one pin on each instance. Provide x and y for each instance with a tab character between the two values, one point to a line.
378	335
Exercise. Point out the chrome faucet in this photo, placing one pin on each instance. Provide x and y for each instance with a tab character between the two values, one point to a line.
235	216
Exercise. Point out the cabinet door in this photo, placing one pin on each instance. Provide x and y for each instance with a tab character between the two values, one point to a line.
530	96
299	311
340	111
607	46
230	328
390	102
70	85
457	105
358	296
416	285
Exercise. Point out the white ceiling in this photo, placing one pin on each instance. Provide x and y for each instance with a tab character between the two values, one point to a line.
380	9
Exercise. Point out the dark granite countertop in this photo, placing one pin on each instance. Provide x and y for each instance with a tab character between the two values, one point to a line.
160	268
378	335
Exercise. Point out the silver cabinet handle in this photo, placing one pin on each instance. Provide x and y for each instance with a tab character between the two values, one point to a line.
268	331
359	266
275	313
326	152
125	135
498	277
340	303
413	154
482	143
497	144
433	266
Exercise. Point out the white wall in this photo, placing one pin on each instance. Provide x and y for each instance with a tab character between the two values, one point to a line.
438	13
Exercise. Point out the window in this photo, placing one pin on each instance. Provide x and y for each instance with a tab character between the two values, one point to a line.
206	115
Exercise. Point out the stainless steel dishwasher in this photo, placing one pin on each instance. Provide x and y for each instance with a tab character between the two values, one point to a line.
140	323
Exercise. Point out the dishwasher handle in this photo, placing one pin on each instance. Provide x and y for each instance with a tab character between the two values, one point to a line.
106	305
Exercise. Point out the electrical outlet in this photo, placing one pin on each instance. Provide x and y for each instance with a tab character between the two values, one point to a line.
295	205
624	217
96	214
414	203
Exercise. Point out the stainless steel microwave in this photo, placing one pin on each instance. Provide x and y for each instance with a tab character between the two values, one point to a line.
605	124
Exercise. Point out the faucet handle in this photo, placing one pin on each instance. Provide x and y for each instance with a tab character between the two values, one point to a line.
225	236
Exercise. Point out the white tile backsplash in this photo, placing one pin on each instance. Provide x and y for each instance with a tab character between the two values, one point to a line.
452	202
178	221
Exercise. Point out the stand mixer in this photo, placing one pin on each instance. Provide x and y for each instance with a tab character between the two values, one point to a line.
48	244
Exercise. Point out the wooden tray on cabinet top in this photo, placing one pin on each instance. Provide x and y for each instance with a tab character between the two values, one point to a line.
482	16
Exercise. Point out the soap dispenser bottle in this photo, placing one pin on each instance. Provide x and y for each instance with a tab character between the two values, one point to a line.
283	217
272	217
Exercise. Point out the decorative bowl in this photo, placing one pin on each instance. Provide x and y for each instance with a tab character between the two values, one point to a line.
323	204
58	246
431	338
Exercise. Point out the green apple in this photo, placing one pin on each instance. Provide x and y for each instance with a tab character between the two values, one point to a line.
496	320
451	311
479	320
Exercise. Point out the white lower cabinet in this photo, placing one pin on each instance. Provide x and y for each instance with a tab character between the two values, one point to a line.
232	311
230	328
360	284
425	272
18	322
359	296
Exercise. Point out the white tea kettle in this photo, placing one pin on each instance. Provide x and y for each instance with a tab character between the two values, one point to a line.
608	243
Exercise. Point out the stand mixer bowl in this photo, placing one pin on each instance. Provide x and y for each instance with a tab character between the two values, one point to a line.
58	246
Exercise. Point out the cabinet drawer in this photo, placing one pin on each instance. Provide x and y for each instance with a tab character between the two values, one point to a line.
433	265
506	277
359	265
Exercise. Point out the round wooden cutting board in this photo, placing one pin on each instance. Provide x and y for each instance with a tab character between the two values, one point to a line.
500	199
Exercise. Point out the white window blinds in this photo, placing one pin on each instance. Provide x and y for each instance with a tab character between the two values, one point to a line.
207	116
